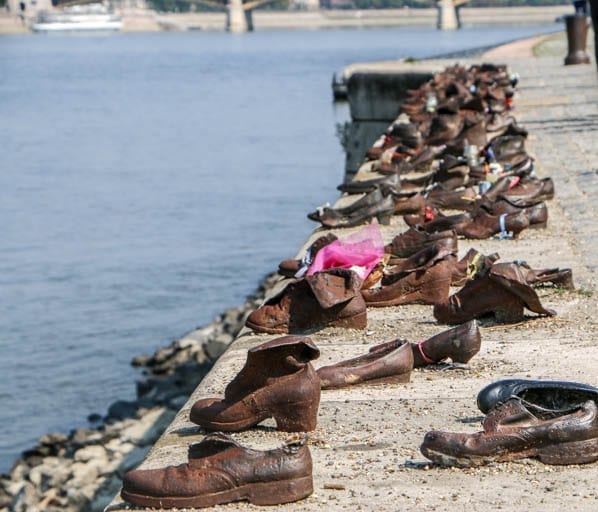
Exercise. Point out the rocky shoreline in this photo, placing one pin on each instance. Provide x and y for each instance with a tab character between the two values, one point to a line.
82	470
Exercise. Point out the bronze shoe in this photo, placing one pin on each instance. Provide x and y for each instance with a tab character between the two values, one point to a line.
502	291
326	298
548	394
470	266
289	268
415	239
277	382
553	437
485	225
389	362
458	344
423	286
219	470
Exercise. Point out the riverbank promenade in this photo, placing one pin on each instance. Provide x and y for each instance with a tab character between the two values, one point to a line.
366	446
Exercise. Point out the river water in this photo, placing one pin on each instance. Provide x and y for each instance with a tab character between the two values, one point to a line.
147	182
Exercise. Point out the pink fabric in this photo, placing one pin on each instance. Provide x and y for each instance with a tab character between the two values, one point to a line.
359	252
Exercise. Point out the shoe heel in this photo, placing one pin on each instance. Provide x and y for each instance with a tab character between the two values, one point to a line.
509	313
576	452
359	321
297	417
278	492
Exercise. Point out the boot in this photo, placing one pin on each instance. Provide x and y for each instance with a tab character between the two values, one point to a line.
459	344
326	298
503	292
389	362
277	381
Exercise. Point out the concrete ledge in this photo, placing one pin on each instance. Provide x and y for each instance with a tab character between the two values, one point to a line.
366	447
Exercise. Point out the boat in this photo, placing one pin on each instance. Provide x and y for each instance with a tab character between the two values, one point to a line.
78	18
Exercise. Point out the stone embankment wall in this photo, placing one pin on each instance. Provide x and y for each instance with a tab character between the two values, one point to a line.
83	470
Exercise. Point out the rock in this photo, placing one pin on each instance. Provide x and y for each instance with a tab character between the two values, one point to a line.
149	429
91	452
122	409
26	499
85	436
141	360
216	347
53	439
83	474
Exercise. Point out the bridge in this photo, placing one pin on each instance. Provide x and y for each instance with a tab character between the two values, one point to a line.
239	12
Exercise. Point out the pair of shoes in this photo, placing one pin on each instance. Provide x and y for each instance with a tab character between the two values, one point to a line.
326	298
502	291
394	360
277	381
555	422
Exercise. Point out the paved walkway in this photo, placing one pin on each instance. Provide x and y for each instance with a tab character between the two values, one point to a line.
366	447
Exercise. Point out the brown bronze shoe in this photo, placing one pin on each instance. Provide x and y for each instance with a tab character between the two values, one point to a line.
485	225
289	268
424	286
326	298
415	239
458	344
389	362
503	291
219	470
277	382
553	437
473	264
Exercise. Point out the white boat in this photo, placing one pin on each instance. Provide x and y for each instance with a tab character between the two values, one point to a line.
78	18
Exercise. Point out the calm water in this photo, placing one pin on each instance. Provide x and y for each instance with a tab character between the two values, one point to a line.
147	182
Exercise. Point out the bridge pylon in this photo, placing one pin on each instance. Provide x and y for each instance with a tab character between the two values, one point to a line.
238	19
447	15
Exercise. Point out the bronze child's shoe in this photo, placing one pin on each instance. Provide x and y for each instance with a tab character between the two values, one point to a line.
389	362
219	470
326	298
552	436
277	381
458	344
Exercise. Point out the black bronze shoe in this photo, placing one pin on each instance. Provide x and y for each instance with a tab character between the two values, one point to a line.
550	394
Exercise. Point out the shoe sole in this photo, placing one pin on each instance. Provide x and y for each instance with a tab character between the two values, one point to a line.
269	493
575	452
358	321
400	378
